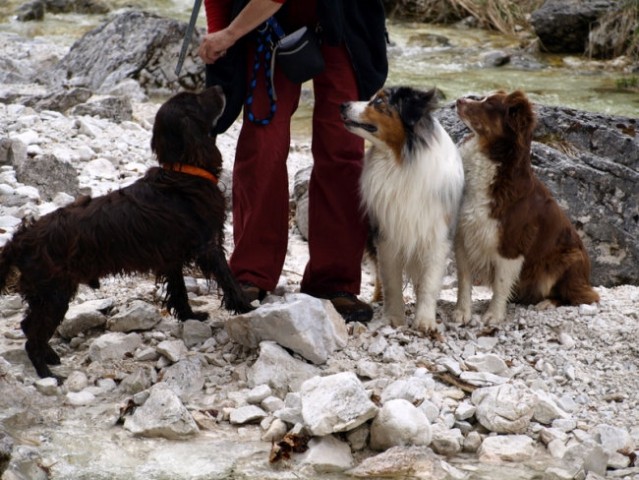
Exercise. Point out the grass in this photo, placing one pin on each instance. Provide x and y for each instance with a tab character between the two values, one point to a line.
618	32
506	16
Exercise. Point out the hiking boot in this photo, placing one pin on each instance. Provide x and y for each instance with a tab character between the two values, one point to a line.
252	292
350	307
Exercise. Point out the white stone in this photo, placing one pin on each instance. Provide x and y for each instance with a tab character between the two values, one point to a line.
76	381
247	414
275	432
465	410
307	325
335	403
588	310
195	332
327	454
278	369
506	448
482	379
399	423
136	316
488	363
504	409
113	346
162	415
446	441
78	399
84	316
546	409
272	404
258	393
47	386
173	350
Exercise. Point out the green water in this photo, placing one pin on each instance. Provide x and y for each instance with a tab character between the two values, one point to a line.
453	68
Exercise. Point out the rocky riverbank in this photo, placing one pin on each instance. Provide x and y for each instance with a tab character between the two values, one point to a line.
549	394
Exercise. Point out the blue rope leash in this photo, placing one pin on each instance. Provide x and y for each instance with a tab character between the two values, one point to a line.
264	49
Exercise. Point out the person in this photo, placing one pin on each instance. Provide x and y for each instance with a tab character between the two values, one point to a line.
353	46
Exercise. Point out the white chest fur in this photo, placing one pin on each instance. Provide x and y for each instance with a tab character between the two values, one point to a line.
476	229
414	203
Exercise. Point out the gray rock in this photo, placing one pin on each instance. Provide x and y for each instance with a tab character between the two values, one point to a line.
162	415
195	332
276	368
307	325
590	456
335	403
446	442
563	26
31	11
173	350
117	109
132	44
136	316
507	448
404	462
113	346
186	377
247	414
60	100
139	380
505	408
84	316
49	175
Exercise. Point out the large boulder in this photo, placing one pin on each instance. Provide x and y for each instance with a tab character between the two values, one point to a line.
563	26
133	44
590	162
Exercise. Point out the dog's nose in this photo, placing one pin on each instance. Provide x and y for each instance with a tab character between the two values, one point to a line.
343	107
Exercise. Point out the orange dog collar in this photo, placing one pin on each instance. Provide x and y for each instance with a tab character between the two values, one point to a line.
191	170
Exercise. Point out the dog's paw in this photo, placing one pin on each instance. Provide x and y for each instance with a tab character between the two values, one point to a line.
425	324
395	321
492	317
545	305
462	315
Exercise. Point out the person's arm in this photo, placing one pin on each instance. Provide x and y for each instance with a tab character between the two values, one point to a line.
214	45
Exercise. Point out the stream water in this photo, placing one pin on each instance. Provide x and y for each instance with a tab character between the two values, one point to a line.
421	55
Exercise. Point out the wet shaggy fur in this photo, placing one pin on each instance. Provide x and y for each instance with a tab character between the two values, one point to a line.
512	234
411	187
163	222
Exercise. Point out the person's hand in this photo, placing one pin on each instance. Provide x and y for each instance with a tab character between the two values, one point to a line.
214	45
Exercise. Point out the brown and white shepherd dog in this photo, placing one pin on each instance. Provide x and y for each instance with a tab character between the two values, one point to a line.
411	187
171	217
511	233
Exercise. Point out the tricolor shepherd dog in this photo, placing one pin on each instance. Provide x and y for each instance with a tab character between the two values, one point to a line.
511	233
411	187
172	217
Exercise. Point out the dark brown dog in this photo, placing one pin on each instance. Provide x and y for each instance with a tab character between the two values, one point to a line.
511	233
172	217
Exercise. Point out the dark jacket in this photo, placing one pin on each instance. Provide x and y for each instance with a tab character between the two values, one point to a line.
359	24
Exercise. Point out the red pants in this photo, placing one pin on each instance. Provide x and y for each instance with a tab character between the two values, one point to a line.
337	227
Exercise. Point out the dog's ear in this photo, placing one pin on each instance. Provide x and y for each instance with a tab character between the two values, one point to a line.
519	115
413	104
167	141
